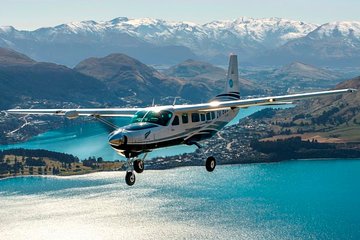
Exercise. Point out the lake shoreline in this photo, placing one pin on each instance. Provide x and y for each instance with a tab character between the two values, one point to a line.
170	167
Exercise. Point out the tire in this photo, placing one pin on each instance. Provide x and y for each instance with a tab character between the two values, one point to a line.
139	166
130	178
210	164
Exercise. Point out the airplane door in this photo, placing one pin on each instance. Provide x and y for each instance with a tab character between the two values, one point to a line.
173	130
174	126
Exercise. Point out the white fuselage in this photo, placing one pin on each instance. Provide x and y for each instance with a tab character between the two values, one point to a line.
146	134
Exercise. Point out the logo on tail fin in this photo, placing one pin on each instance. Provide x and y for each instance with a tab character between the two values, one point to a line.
231	83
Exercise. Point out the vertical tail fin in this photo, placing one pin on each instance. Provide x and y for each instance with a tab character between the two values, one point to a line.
232	88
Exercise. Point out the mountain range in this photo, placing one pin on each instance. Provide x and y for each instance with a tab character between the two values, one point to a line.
26	81
267	41
114	80
134	82
118	79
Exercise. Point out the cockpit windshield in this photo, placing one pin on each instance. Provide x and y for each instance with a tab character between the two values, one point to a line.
160	117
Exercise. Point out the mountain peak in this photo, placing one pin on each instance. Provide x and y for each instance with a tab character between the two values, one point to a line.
77	27
337	29
6	29
299	66
192	68
301	70
109	67
118	20
130	78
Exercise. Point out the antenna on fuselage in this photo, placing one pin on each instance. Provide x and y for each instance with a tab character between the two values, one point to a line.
175	101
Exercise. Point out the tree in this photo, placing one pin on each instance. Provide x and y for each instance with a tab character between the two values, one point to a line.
34	162
55	171
4	168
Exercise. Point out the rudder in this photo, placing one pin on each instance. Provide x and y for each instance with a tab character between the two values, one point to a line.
232	88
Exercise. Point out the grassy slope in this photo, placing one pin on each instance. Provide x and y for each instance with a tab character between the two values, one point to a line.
341	125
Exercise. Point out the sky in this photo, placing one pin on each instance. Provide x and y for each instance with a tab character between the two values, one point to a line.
33	14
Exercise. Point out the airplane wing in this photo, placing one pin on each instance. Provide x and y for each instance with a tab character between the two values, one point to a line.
245	103
211	106
74	113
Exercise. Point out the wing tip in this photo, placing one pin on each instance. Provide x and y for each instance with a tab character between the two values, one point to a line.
13	110
352	90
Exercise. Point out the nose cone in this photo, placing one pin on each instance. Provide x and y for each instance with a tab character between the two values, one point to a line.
117	138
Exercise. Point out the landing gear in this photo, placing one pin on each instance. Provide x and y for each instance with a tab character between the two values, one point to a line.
130	175
139	166
133	166
130	178
210	164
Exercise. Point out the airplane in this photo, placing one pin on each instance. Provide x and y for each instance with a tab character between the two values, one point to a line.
163	126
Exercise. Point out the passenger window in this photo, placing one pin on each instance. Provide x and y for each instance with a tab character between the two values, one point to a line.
195	117
202	117
213	115
208	116
185	118
175	121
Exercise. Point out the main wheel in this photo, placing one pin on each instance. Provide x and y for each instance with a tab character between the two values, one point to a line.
130	178
210	164
139	166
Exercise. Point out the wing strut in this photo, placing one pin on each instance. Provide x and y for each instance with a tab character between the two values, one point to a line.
106	122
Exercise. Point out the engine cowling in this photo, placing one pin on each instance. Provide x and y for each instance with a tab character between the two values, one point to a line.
71	114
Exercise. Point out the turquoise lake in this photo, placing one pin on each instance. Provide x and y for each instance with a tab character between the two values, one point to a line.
286	200
90	139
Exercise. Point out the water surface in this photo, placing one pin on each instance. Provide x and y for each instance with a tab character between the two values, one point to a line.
287	200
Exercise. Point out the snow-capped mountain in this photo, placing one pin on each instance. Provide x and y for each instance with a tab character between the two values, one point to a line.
160	41
332	44
271	32
343	29
205	39
263	31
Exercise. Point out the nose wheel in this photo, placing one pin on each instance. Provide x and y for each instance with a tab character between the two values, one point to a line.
133	166
130	178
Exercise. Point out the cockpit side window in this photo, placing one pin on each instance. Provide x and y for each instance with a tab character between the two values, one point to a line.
157	117
176	121
138	117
